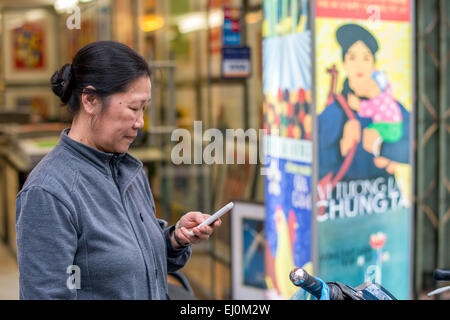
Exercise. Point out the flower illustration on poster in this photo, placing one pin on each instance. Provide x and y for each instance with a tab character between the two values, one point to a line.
377	242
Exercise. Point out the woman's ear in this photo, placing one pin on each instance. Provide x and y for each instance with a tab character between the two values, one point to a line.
90	102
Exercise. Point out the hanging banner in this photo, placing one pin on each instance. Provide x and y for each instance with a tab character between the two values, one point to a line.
364	104
287	144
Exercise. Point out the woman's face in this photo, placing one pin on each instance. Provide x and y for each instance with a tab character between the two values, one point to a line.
359	63
117	126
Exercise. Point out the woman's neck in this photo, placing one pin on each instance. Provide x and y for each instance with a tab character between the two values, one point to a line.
80	131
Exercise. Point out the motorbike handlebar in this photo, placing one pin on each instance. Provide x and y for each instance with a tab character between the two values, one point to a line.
301	278
442	275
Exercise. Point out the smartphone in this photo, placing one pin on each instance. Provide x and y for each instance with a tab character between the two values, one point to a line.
215	216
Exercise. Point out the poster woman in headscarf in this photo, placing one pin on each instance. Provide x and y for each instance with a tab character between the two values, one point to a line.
380	125
364	172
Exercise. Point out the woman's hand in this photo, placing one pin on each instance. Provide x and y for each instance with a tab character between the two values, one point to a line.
351	135
385	163
189	222
367	88
373	89
371	141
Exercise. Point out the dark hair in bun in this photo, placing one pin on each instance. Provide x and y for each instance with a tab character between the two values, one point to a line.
61	83
108	66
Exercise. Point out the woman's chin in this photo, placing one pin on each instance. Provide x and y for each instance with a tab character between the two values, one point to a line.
122	148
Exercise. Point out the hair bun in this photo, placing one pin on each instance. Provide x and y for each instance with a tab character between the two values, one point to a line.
61	83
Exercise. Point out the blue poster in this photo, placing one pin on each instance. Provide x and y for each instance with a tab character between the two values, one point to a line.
287	144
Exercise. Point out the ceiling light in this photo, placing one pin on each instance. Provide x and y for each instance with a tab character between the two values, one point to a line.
151	22
64	5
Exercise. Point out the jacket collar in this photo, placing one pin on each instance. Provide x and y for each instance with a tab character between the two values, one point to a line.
99	159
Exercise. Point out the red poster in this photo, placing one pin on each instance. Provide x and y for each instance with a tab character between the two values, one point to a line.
387	10
28	47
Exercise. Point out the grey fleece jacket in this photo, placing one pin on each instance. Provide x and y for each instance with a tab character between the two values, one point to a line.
86	229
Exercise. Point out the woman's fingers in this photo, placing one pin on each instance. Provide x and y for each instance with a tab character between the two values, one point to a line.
203	232
197	237
381	162
184	236
200	233
370	136
217	223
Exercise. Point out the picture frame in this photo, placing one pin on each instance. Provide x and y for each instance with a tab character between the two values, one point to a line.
38	101
248	250
29	45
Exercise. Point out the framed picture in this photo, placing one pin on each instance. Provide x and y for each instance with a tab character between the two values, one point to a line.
39	102
29	45
247	251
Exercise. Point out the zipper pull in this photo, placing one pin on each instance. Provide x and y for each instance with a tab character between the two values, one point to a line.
113	167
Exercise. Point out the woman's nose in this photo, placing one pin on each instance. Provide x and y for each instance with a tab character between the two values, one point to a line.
139	123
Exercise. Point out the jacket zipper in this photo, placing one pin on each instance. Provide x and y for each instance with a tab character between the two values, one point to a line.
112	166
113	170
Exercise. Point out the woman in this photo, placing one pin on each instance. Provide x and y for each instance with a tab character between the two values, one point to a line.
375	155
87	206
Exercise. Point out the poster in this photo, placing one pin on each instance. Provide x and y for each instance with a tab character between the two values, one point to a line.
287	144
364	77
29	45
